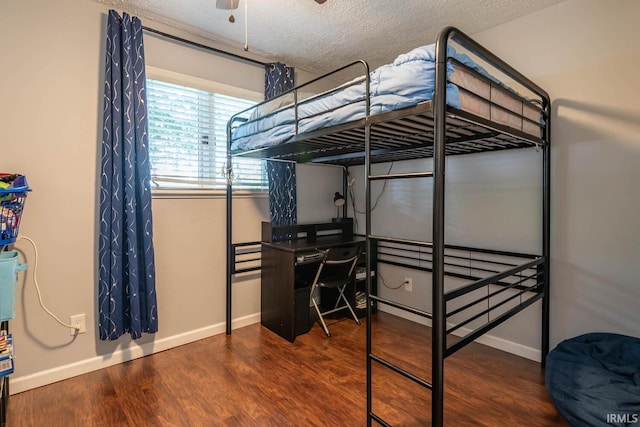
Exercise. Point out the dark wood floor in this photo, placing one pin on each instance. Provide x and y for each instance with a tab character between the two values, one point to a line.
255	378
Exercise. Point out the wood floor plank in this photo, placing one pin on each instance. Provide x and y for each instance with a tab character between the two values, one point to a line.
256	378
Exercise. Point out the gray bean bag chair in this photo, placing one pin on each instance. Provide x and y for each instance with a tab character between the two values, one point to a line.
594	380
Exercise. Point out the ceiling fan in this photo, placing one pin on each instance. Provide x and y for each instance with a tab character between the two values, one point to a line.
233	4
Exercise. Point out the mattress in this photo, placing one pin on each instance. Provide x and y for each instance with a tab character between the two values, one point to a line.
493	101
407	81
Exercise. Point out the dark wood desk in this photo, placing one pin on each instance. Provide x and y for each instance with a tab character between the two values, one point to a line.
286	280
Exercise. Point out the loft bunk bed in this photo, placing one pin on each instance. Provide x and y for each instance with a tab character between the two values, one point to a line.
434	101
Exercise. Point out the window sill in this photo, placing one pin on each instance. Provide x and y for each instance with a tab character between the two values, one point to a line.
184	193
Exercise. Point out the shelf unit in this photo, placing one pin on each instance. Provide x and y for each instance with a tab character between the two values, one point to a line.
360	284
4	386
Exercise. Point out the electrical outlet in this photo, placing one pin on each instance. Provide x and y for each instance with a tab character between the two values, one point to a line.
78	321
408	284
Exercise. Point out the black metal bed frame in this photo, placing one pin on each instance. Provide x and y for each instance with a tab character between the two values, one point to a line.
428	129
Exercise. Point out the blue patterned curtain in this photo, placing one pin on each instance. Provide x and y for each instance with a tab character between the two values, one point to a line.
282	192
126	286
278	78
282	175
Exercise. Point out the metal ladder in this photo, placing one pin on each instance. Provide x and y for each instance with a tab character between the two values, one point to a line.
437	316
436	386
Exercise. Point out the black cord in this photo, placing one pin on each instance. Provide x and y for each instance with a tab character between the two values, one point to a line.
384	187
353	205
385	283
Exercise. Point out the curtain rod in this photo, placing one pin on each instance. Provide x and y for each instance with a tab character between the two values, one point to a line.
180	39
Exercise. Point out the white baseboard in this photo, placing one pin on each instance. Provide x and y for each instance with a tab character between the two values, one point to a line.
49	376
488	340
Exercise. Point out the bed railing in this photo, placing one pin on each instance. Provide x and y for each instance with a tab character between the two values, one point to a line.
296	102
509	281
246	257
452	33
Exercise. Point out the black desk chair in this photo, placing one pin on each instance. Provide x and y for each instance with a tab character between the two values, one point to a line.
335	271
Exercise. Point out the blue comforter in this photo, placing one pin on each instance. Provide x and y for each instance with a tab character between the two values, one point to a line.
407	81
594	380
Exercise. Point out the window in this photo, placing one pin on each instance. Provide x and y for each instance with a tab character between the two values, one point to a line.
188	138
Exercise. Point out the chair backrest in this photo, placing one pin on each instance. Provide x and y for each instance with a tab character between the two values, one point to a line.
339	263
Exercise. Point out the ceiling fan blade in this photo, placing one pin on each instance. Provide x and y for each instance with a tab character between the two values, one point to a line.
227	4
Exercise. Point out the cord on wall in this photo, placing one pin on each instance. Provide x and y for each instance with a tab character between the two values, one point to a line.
35	281
388	286
375	204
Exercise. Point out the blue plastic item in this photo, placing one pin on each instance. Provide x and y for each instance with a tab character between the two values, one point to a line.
9	268
12	200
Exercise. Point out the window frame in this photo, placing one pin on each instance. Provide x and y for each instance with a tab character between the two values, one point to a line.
173	77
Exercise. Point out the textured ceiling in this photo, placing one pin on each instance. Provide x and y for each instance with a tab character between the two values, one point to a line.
318	38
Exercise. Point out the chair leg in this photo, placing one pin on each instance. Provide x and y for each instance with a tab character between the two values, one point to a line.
347	303
324	325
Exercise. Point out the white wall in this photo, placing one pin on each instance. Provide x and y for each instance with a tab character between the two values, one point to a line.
50	116
584	53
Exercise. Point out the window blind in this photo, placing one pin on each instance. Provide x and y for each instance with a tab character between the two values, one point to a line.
188	139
